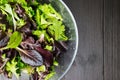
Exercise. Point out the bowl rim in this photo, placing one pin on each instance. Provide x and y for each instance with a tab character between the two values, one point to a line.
77	38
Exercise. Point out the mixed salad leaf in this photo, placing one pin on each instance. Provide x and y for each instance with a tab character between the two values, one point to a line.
32	36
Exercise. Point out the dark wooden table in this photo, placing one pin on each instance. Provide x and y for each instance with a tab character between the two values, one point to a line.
98	55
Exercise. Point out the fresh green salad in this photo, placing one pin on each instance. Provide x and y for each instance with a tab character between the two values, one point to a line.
32	36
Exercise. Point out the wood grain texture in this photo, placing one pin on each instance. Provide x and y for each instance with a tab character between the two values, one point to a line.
89	61
98	55
112	40
108	39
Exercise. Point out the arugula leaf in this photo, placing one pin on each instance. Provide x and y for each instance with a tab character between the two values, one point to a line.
11	67
28	69
55	63
8	9
2	26
15	40
51	74
48	47
42	68
3	56
21	23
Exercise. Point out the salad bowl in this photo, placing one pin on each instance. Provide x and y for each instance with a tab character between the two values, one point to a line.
66	58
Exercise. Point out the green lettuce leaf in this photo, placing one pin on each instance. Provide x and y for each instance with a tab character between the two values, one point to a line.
57	30
48	18
47	38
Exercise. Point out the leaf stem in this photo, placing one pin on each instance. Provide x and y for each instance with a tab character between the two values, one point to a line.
23	51
6	60
3	48
19	49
